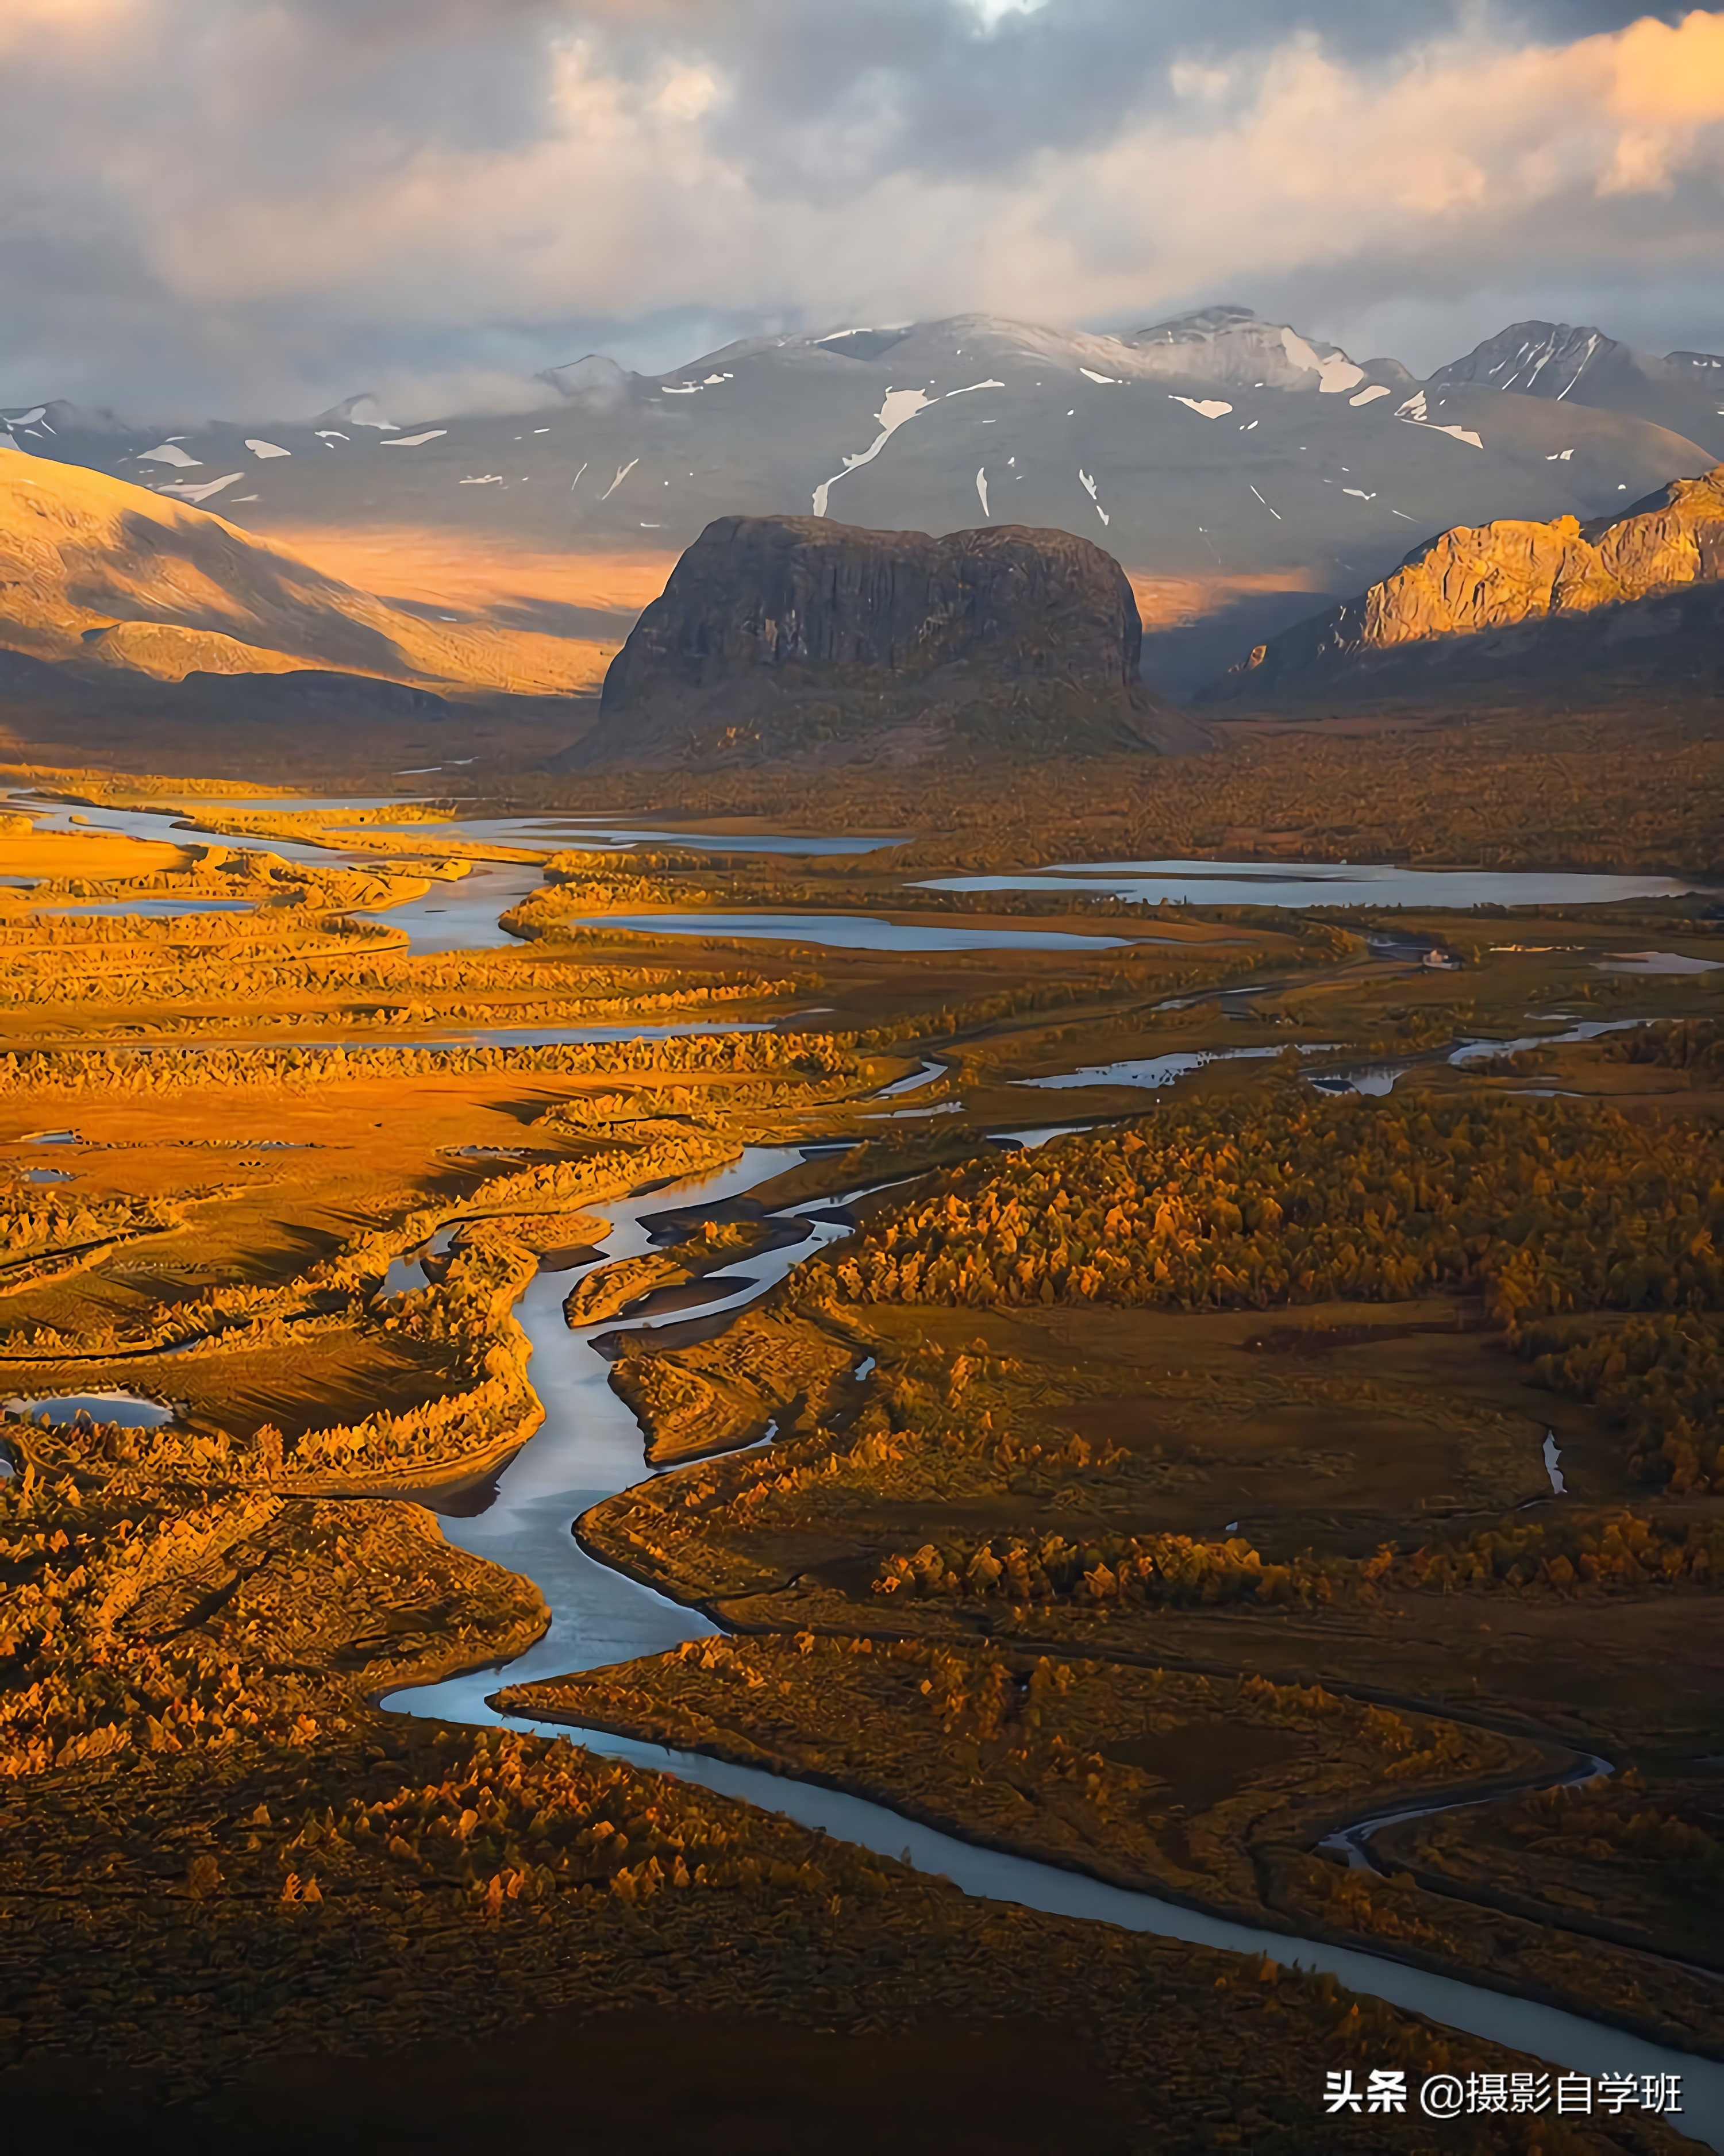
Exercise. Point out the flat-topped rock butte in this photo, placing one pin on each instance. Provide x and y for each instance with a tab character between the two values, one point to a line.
797	638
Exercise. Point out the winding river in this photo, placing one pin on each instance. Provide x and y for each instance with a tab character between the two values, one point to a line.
589	1447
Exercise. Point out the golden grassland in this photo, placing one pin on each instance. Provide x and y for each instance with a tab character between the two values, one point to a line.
1209	1513
1257	1384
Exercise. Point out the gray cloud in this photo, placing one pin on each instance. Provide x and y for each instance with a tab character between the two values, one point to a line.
256	205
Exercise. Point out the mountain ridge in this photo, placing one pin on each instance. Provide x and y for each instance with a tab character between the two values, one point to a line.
1442	611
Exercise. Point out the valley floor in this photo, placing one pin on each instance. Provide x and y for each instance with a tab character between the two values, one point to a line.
1158	1403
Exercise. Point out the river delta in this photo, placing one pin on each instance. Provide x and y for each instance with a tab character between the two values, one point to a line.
583	1457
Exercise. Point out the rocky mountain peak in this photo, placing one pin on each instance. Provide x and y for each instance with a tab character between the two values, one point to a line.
1540	359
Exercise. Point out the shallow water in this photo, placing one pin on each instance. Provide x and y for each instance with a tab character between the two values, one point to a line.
155	909
1147	1070
1296	884
1480	1051
461	915
578	833
129	1410
551	831
590	1446
458	915
1375	1079
1656	961
913	1081
854	932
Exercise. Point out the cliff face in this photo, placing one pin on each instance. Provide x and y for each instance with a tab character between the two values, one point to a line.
798	637
1511	594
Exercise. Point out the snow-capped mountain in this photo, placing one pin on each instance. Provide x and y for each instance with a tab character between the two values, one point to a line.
1683	391
1243	474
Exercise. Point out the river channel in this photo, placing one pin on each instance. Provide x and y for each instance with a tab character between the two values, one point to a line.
462	915
590	1446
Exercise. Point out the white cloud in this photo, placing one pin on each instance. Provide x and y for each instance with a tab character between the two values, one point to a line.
616	185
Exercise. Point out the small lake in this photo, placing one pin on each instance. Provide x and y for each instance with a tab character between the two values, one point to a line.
1296	884
853	931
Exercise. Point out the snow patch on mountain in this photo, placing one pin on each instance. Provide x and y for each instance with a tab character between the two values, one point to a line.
1206	407
266	448
897	408
1335	371
169	453
1089	487
413	441
195	490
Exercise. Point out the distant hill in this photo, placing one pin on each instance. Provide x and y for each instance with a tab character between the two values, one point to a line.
800	640
99	578
1622	600
1243	473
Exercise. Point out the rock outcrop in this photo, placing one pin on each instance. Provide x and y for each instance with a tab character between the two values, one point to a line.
1519	598
794	638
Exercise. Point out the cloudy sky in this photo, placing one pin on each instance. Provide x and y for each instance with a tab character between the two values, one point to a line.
254	207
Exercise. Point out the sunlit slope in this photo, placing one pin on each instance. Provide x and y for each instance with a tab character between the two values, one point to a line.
95	572
1636	594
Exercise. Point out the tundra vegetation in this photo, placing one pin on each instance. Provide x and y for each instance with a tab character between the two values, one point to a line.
1151	1501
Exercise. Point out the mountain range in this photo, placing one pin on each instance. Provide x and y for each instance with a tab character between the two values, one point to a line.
1244	475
